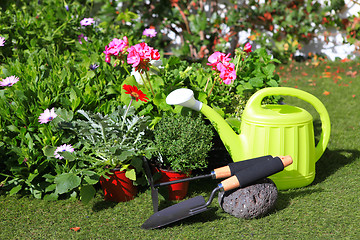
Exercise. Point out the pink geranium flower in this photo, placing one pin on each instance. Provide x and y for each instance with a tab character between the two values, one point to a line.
220	62
87	21
116	47
9	81
150	32
217	57
228	74
140	56
47	116
63	148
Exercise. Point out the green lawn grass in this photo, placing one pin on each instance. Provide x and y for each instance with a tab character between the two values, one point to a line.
327	209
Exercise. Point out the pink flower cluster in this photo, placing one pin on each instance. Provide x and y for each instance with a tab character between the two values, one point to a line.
150	32
140	56
116	47
221	62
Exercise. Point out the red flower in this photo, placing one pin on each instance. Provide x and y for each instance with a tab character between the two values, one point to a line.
135	93
247	47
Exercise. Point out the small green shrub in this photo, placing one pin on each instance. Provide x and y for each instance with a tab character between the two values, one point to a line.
183	142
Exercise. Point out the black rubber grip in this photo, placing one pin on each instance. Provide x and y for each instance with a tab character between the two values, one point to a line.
258	171
238	166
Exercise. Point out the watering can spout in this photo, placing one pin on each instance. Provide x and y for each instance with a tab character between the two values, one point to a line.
234	143
184	97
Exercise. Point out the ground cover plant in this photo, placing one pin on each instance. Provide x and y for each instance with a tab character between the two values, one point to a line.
326	209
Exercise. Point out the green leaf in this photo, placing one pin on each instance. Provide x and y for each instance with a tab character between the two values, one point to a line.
51	197
21	95
125	154
91	177
15	190
202	97
66	181
159	98
49	151
219	111
248	86
32	176
234	122
273	83
256	82
137	163
74	99
36	193
49	177
90	74
269	70
275	61
73	195
50	188
64	115
13	128
131	174
87	193
67	155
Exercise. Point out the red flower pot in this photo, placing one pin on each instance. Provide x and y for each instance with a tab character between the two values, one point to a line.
118	188
177	191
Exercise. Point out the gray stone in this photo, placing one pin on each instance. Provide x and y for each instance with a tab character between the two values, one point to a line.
253	201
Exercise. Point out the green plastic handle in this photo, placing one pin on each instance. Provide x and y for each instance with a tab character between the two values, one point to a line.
257	98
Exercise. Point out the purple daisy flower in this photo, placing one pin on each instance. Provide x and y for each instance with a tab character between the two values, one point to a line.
9	81
150	32
47	116
87	21
93	66
2	41
63	148
82	36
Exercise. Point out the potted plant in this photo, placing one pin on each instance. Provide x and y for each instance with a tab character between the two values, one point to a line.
183	142
114	145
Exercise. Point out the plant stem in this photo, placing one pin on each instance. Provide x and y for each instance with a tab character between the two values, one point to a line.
147	76
122	63
212	87
143	81
237	64
127	110
207	82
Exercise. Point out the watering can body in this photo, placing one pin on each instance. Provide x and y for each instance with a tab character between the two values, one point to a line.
275	130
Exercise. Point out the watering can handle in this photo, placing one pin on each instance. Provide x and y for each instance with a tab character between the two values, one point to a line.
257	98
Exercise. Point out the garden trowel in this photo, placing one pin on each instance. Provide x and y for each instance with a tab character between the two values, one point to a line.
196	205
218	173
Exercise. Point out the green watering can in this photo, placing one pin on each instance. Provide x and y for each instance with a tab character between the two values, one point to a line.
270	130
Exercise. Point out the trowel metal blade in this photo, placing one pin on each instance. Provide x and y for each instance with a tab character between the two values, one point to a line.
176	212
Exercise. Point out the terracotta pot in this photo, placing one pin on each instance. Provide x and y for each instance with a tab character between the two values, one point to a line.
177	191
118	188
